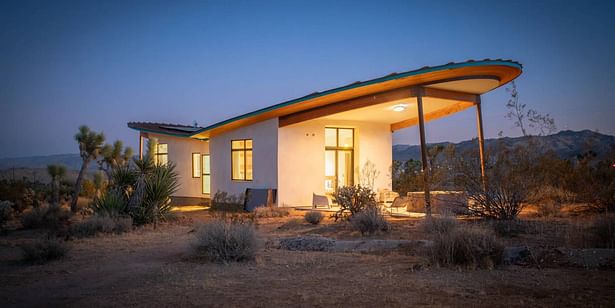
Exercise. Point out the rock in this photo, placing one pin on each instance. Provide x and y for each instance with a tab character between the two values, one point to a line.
307	243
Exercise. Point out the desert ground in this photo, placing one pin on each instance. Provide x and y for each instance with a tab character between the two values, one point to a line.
157	267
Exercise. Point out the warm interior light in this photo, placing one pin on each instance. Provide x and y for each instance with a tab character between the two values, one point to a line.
400	107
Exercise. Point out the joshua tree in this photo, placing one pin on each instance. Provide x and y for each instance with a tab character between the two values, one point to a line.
113	156
57	172
90	146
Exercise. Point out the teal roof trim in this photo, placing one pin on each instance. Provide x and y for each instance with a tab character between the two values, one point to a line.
365	83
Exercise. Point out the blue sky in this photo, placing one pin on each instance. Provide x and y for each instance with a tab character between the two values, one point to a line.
105	63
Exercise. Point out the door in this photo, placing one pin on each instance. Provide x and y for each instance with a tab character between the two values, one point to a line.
339	158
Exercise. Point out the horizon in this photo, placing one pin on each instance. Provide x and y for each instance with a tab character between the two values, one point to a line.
105	64
394	144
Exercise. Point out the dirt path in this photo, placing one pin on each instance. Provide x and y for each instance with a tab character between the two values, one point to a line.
155	268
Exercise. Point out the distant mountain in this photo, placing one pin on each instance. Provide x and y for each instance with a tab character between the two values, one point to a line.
566	144
71	161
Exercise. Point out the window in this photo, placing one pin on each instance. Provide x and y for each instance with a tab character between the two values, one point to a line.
241	160
196	165
162	154
339	158
206	174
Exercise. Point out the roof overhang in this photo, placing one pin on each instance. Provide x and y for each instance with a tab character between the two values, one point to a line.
466	80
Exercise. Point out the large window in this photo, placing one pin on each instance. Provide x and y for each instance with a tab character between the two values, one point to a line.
241	160
206	174
162	154
196	165
339	158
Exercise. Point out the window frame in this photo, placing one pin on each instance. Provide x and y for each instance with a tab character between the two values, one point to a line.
200	160
337	148
203	174
245	149
158	154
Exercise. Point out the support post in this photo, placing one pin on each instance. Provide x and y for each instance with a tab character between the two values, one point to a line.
140	145
481	141
426	171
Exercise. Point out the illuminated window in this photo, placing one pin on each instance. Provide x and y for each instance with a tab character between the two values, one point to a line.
206	174
162	154
241	160
339	158
196	165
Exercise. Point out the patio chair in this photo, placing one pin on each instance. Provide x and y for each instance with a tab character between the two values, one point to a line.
318	200
398	202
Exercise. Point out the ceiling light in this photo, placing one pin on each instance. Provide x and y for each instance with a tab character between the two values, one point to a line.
400	107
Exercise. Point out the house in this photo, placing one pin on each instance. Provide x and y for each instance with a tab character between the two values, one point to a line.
324	140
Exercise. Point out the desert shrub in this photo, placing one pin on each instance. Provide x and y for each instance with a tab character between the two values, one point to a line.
444	224
44	250
225	202
270	211
44	216
111	203
101	224
6	211
226	242
352	200
549	200
292	224
602	230
313	217
369	221
511	228
594	183
469	246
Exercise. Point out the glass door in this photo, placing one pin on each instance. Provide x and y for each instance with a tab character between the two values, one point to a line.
339	158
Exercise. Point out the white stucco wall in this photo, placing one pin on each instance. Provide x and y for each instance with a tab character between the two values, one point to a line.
264	136
180	153
301	149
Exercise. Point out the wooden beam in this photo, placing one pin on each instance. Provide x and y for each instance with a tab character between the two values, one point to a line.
481	141
359	102
141	145
442	112
445	94
426	172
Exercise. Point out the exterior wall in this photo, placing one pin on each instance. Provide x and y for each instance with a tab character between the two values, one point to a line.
264	158
180	153
301	152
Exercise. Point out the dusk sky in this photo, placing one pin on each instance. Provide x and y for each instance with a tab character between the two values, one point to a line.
105	63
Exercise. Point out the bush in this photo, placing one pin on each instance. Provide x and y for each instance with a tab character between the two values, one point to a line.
467	246
352	200
155	202
444	224
224	202
313	217
226	242
42	251
6	211
270	211
370	220
112	203
44	216
510	228
603	231
101	224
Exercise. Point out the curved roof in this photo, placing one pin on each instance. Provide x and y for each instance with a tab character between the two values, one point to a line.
474	77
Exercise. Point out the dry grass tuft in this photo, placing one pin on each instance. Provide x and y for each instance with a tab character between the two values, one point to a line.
43	251
369	221
271	212
468	246
444	224
223	241
313	217
101	224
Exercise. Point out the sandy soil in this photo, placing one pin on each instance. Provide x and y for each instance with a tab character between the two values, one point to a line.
156	268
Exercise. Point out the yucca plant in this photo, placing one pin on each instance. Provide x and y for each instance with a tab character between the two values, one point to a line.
90	146
112	203
158	186
57	172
